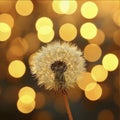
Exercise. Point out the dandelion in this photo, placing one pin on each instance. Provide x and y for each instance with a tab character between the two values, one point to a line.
57	67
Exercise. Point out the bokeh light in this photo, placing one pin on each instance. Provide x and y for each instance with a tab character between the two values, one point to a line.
99	73
27	91
43	22
106	114
7	18
64	7
25	104
56	6
92	52
90	86
88	30
116	17
24	7
45	30
16	68
110	62
99	38
89	10
5	31
46	36
70	5
44	27
68	32
116	37
93	91
84	79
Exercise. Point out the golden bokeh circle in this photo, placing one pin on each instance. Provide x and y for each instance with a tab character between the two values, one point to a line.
84	79
68	32
89	10
43	22
25	104
16	68
110	62
92	52
5	31
99	73
88	30
24	7
27	91
93	91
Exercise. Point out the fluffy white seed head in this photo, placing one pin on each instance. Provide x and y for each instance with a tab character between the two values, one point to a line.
41	61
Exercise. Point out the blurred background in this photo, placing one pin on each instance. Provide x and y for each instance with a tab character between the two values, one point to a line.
27	25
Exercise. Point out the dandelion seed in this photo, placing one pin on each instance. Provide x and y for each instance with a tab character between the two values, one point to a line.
57	66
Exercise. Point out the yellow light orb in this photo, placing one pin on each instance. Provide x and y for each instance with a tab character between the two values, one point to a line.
93	91
56	6
68	32
88	30
5	31
16	68
45	30
99	73
42	22
64	7
7	18
89	10
110	62
84	79
27	91
92	52
99	38
90	86
72	7
24	7
68	7
47	36
25	104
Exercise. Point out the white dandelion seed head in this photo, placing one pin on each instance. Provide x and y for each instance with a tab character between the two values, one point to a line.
67	54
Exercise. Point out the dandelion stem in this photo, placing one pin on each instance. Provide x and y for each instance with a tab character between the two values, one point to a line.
68	107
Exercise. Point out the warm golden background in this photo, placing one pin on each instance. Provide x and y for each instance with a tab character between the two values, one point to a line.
94	26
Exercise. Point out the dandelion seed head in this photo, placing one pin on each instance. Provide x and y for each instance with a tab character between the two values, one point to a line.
57	65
